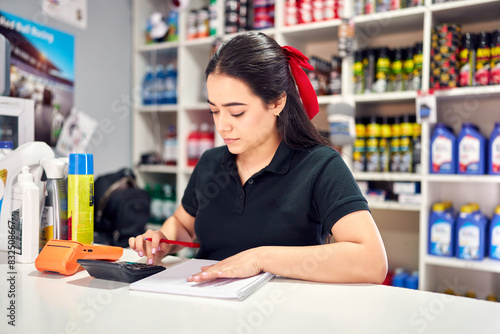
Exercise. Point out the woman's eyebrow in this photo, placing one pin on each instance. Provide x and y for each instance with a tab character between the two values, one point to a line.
229	104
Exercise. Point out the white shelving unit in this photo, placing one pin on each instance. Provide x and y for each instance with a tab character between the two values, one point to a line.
404	227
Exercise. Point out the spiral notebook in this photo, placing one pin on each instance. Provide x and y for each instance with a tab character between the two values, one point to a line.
173	280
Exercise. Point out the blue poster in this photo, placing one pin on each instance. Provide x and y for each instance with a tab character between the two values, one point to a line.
42	69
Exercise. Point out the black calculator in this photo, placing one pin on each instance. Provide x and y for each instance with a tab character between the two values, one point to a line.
120	271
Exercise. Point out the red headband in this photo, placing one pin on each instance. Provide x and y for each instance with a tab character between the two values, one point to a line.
296	60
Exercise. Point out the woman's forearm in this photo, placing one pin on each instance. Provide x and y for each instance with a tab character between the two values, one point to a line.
341	262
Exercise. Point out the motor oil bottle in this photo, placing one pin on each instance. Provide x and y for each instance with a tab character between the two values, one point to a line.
441	240
471	150
471	233
443	155
494	236
494	151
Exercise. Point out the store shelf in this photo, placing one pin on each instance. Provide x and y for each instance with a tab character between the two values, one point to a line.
158	46
481	92
466	11
197	106
158	108
386	97
206	41
488	265
331	99
389	205
160	169
391	177
406	19
317	31
463	178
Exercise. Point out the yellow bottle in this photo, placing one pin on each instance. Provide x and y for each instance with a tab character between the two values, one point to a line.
81	198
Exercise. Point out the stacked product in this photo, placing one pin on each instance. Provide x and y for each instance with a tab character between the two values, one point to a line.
159	85
326	77
387	144
468	153
307	11
468	235
202	22
199	140
378	6
388	70
445	54
163	202
244	15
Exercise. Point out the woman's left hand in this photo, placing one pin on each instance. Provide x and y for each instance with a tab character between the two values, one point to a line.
244	264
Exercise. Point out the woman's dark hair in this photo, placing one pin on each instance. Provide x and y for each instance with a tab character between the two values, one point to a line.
259	61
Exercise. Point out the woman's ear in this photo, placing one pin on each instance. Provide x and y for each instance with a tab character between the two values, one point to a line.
277	106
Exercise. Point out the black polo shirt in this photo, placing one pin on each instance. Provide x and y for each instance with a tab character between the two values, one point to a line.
294	201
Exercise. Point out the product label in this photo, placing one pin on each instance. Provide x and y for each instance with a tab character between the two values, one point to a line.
372	155
495	243
3	182
441	238
483	66
441	154
46	226
469	151
81	208
495	155
359	155
469	242
495	66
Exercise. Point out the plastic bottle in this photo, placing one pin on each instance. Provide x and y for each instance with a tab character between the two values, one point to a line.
408	67
359	149
395	156
147	85
443	156
372	145
54	222
25	217
170	147
193	143
406	144
412	281
399	278
160	91
494	236
441	236
207	139
471	233
396	77
471	150
495	58
385	144
5	148
467	61
171	84
418	61
483	59
359	74
169	201
81	198
417	148
157	204
494	151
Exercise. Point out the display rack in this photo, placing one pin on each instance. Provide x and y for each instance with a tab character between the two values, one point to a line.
397	28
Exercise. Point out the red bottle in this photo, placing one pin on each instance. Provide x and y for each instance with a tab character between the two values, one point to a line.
207	139
193	144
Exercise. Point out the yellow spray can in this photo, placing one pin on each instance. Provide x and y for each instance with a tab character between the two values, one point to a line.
81	198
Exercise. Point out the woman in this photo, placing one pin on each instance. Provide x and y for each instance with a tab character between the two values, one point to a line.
274	196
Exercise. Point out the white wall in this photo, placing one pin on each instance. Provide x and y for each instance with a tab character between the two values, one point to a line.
102	73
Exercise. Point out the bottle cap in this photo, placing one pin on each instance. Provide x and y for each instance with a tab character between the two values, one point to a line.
6	144
54	168
497	210
25	175
439	207
81	164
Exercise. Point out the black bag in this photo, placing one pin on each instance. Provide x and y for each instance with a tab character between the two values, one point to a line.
121	209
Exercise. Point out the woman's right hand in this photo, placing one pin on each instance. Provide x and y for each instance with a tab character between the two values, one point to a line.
153	250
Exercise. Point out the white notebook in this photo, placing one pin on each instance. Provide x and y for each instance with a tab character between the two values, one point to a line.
173	280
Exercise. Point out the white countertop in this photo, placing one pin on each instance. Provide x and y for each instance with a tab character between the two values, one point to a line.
49	304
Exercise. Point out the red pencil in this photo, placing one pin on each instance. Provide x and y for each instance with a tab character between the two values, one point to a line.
180	243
